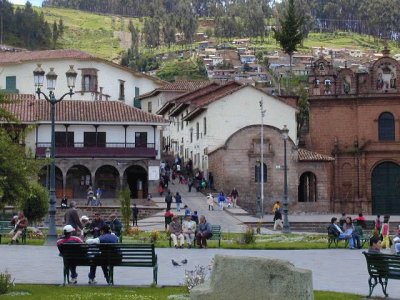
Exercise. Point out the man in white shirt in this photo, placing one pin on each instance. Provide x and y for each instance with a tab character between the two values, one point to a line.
189	230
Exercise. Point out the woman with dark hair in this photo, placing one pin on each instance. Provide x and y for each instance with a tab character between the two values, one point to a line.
349	228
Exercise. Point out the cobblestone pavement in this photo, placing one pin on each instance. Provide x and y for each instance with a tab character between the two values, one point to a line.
339	270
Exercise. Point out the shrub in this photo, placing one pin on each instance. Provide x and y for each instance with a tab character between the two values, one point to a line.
6	282
134	231
154	236
36	205
125	200
195	277
248	237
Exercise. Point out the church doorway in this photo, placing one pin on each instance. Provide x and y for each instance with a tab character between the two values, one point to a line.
386	189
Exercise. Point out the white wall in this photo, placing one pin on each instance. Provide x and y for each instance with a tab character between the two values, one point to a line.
228	115
108	78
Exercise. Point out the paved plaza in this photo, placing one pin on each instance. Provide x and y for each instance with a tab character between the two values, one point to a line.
340	270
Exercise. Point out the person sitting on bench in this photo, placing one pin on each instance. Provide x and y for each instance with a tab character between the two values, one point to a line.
20	223
335	230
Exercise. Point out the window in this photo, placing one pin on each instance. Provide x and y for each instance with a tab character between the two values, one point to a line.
141	139
204	126
197	130
94	139
11	83
257	173
182	122
149	107
136	102
64	139
386	127
308	187
191	135
121	90
89	80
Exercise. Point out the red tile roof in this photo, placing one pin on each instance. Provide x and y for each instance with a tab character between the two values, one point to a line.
22	56
307	155
177	86
28	111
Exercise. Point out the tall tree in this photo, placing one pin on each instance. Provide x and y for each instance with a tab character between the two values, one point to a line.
289	33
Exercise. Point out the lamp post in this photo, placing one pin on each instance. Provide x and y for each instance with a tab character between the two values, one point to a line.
51	77
48	154
286	226
262	159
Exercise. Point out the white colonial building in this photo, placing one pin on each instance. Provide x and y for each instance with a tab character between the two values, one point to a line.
218	127
97	79
104	144
202	120
101	139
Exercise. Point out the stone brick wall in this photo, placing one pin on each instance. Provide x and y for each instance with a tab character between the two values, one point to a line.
234	166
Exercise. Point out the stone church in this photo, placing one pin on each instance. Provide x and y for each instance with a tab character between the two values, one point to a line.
354	117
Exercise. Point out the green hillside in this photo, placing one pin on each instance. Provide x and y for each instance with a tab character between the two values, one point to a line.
89	32
107	36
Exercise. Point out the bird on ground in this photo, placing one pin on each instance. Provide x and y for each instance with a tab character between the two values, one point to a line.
184	261
175	263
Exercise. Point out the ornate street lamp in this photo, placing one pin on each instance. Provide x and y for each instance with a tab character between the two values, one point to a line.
51	78
286	227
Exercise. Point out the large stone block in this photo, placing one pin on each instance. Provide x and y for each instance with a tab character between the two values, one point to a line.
254	278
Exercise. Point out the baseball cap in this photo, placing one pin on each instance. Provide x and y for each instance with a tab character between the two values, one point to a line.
85	218
68	228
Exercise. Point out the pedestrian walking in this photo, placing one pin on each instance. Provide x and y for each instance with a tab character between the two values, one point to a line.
278	219
221	200
178	200
234	196
168	200
135	214
190	183
210	201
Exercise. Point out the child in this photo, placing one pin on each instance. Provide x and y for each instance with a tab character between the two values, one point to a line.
385	232
210	202
229	201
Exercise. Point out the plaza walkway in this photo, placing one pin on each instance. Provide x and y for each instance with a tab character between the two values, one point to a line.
339	270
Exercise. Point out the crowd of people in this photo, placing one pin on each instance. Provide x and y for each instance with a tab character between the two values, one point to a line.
93	230
352	230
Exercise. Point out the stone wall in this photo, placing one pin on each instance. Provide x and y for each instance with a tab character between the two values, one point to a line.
234	166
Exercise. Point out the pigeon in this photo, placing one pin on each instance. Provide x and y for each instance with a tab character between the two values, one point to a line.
184	261
175	263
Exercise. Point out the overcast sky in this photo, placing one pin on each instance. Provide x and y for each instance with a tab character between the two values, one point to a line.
33	2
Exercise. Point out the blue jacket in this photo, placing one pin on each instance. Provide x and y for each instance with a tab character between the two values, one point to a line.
108	238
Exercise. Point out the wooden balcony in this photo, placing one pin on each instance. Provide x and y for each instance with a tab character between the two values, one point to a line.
117	150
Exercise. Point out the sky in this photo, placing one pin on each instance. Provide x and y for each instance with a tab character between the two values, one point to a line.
33	2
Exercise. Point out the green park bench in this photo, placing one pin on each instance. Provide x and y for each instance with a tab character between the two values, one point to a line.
381	268
111	255
216	236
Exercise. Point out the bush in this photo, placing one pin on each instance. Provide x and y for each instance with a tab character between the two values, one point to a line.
36	205
248	237
6	283
125	200
154	236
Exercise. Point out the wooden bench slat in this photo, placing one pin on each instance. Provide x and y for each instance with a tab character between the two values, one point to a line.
381	268
111	255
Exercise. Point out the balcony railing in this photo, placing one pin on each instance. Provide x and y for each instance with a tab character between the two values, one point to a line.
126	150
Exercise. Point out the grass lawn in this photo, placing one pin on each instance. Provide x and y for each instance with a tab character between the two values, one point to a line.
231	241
26	291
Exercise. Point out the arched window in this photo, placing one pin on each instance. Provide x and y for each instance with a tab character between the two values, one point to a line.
307	187
257	173
386	127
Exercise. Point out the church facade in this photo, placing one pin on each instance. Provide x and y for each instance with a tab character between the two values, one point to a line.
354	117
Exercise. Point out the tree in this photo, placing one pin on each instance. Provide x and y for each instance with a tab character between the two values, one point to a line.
36	204
289	34
304	108
15	168
183	69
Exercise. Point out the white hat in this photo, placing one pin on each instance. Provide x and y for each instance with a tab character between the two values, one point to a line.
68	228
86	218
